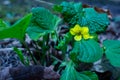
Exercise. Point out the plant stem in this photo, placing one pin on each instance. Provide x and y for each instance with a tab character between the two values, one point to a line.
55	58
33	58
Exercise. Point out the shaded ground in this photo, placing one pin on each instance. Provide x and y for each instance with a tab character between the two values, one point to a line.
14	8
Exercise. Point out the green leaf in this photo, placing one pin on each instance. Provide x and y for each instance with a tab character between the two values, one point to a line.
97	22
24	60
42	22
3	25
17	30
64	42
57	8
92	75
70	73
86	51
69	10
112	51
20	54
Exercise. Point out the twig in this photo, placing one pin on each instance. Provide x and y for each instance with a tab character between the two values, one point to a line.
44	2
11	49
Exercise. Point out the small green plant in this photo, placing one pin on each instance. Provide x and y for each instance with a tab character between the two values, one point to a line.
83	25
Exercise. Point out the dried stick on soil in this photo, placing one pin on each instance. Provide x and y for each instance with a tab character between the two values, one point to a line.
44	2
35	72
11	49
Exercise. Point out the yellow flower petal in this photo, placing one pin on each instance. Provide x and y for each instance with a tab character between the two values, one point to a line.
86	36
72	31
85	30
78	37
77	28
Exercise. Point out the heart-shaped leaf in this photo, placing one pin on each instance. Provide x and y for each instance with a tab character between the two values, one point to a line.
112	51
86	51
70	73
97	22
42	22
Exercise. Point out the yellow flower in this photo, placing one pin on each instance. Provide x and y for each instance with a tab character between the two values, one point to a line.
80	32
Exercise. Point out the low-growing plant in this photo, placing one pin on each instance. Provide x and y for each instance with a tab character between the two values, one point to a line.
66	39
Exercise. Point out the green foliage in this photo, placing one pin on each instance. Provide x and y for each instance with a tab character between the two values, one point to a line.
3	25
64	42
112	51
70	73
74	13
91	75
68	10
97	22
42	22
23	59
57	8
86	51
17	30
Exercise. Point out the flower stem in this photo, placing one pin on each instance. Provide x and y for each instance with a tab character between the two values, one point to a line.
33	58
